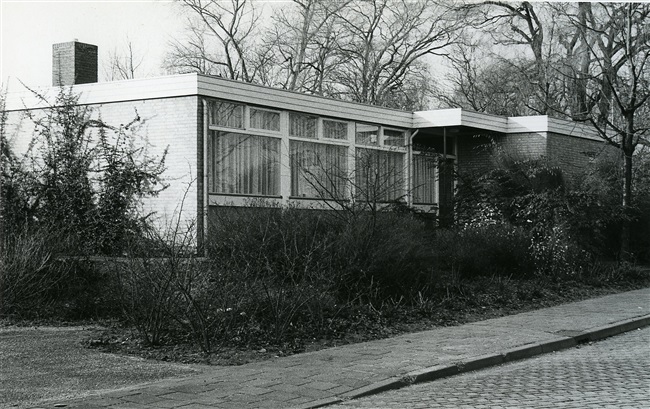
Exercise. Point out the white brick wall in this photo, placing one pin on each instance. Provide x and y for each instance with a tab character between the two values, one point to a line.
168	122
172	123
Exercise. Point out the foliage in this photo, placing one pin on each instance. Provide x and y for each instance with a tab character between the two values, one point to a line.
74	193
566	226
485	250
86	185
580	61
37	283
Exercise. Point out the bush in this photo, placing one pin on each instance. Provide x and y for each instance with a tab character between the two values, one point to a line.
495	249
36	282
389	255
30	277
360	255
85	185
274	276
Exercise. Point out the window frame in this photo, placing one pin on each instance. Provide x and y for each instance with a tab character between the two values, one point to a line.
383	137
316	126
249	127
348	140
212	123
213	134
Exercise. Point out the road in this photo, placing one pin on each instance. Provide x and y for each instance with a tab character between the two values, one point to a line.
613	373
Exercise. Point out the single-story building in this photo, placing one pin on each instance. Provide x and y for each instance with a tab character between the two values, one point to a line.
230	142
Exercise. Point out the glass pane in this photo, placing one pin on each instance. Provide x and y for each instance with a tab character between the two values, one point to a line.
244	164
303	126
318	170
393	137
379	175
335	129
424	179
367	134
263	119
227	114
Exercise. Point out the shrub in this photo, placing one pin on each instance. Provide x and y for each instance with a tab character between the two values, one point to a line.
85	185
556	255
382	257
30	276
496	249
36	281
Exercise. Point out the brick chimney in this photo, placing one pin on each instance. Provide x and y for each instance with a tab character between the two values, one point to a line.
74	63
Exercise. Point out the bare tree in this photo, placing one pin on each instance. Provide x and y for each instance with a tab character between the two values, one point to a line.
362	50
123	65
384	41
522	32
616	40
302	40
586	62
479	82
220	36
3	146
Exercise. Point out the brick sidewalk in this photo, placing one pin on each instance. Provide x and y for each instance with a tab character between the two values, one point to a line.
331	375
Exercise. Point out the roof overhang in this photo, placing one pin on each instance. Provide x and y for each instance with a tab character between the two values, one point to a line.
461	119
174	86
457	117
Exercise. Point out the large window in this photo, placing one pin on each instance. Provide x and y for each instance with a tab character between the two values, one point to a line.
262	151
424	179
379	175
244	164
318	170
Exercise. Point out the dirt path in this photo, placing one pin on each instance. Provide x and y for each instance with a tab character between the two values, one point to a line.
45	363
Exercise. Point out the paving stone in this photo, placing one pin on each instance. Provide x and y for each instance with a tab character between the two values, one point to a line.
322	375
321	386
610	373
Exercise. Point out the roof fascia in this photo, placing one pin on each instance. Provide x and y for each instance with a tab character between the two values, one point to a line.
109	92
524	124
459	117
573	128
295	101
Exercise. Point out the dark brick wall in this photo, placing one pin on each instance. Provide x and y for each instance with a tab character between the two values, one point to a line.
528	145
475	153
574	155
74	63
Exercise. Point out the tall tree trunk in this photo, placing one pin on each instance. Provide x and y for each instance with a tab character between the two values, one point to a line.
627	146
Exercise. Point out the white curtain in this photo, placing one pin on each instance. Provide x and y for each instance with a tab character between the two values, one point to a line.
244	164
379	175
318	170
424	179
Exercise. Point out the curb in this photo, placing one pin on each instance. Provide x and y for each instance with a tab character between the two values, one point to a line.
481	362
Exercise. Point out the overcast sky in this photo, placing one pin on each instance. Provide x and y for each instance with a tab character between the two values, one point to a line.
29	28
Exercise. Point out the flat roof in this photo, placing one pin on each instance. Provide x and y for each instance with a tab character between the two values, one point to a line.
193	84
